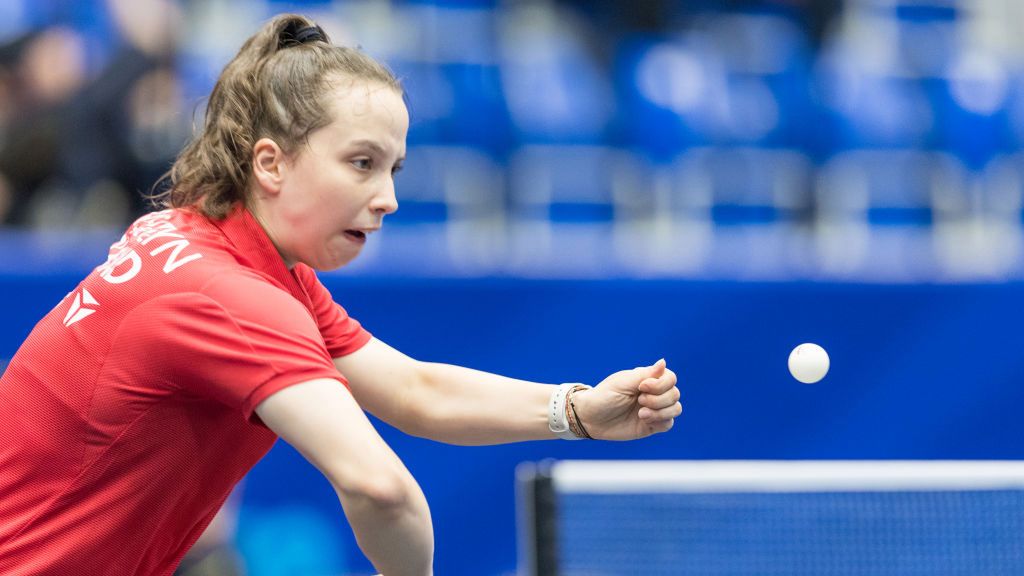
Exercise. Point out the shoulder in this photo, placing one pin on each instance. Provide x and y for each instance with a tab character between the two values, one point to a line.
240	289
227	307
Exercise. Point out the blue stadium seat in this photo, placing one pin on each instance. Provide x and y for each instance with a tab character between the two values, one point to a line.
890	188
445	55
868	109
981	234
748	186
455	104
572	184
715	84
455	194
882	211
443	184
1000	198
557	91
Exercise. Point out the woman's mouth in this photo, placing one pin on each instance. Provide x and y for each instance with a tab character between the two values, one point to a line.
357	236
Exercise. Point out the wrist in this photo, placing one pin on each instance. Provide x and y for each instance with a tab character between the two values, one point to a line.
563	415
575	422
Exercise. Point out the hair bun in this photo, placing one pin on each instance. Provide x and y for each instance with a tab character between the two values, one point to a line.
297	33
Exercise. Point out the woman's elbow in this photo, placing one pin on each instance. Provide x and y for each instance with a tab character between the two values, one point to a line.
384	491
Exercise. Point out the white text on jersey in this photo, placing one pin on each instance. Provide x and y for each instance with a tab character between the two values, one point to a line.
151	227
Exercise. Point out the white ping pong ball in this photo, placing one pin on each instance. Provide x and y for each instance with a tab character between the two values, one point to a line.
808	363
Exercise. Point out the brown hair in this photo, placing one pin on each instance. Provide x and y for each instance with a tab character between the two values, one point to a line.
274	87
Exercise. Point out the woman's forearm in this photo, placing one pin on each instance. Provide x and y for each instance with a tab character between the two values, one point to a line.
464	406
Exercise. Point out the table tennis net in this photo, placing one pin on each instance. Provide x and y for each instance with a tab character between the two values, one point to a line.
764	518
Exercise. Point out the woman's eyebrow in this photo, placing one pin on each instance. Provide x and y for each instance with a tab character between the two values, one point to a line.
376	147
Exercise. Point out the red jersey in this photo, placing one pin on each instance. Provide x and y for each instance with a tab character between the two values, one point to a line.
128	413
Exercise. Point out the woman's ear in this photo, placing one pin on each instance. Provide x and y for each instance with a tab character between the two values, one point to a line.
268	165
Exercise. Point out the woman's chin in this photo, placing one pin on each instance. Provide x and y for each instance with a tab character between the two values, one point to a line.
336	259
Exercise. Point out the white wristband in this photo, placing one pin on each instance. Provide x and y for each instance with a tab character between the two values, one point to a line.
557	422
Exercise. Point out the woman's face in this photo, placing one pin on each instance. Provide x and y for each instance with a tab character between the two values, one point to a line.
335	190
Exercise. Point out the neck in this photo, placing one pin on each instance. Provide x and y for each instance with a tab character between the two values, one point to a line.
257	210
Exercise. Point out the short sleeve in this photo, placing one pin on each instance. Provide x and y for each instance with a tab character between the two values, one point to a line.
237	341
342	334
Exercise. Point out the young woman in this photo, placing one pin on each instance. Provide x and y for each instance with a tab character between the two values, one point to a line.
138	402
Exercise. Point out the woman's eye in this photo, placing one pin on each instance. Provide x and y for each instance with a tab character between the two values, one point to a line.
363	163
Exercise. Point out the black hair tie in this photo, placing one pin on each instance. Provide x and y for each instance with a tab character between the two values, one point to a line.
310	34
293	35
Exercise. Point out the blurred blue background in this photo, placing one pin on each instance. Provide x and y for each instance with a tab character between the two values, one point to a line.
591	186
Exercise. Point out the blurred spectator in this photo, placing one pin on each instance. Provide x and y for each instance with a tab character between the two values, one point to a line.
79	151
41	72
132	114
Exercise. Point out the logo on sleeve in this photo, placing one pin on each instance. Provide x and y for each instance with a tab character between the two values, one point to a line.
78	307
